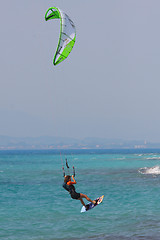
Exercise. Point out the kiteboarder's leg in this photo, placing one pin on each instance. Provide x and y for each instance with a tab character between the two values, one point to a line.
86	197
82	201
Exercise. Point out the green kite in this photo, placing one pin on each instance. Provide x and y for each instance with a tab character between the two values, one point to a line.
67	35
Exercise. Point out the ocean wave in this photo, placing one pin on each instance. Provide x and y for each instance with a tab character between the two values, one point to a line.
153	158
155	170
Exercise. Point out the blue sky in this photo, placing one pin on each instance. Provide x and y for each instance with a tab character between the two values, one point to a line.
109	85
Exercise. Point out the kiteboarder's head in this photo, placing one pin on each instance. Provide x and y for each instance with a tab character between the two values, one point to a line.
67	178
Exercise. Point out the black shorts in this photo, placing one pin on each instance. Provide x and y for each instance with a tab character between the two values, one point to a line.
75	195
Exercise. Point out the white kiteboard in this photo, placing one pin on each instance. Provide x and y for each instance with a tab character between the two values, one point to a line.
91	205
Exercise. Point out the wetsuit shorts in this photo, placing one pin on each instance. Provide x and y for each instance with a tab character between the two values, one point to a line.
75	195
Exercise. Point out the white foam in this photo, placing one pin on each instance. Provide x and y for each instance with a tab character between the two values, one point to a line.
155	170
153	158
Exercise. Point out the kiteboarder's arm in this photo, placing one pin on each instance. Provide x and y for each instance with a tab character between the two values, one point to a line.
71	182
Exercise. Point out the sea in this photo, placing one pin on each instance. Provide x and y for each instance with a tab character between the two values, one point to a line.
34	206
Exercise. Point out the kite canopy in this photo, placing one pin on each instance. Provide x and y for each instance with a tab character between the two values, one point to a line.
67	34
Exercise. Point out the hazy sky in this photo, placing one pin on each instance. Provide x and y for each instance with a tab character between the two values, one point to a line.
108	87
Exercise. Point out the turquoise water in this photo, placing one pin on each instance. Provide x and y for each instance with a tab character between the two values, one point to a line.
34	206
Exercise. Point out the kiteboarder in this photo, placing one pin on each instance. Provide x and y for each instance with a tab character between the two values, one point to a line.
68	185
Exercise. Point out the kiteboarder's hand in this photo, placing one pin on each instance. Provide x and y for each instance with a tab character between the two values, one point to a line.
74	179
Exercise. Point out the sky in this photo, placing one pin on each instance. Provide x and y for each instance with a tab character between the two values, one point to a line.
109	85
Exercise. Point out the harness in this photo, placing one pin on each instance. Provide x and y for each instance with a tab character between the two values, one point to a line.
68	188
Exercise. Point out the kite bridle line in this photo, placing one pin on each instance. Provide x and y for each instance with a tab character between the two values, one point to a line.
74	173
62	165
68	168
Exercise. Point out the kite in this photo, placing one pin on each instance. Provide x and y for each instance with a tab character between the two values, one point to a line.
67	35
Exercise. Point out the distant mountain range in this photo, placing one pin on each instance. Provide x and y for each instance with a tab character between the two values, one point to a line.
46	142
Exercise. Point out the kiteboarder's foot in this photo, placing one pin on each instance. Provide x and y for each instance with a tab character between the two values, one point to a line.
87	207
95	202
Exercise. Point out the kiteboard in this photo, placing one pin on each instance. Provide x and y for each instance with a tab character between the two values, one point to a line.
91	205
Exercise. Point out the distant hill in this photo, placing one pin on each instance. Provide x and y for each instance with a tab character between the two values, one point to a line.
47	142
